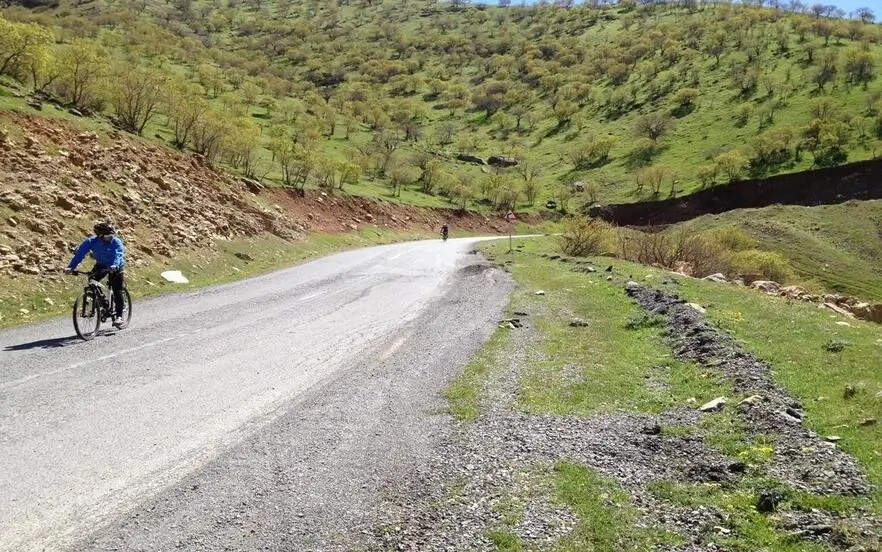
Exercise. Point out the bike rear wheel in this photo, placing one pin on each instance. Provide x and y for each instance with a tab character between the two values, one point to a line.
86	315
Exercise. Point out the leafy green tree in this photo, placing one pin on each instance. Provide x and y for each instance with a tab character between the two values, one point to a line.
653	176
208	135
564	111
400	175
772	147
653	125
591	151
185	106
826	70
212	79
860	68
42	66
456	97
297	161
707	174
135	94
333	175
826	140
250	91
20	43
685	98
385	144
490	97
529	173
446	133
732	163
239	145
643	151
82	66
461	192
715	45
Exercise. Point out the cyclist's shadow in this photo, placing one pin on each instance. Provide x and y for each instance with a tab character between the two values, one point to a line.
53	343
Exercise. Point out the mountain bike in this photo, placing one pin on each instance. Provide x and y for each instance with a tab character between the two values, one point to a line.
96	305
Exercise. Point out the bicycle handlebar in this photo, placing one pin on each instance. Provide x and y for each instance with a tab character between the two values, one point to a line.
86	272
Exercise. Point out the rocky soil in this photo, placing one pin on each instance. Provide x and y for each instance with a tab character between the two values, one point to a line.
850	307
55	181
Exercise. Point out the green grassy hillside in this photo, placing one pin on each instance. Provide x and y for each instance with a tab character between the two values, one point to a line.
377	97
830	247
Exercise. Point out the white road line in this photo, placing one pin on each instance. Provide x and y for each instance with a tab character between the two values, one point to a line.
405	252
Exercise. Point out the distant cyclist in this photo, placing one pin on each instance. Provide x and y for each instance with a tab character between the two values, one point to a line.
110	258
445	229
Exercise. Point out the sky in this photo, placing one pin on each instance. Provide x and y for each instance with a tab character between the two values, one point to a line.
847	5
851	5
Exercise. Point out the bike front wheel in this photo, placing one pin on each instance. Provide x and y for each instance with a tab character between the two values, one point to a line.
86	316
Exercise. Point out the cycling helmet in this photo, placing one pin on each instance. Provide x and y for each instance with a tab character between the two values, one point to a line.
104	229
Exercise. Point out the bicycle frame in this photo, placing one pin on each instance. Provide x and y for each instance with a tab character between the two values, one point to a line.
105	299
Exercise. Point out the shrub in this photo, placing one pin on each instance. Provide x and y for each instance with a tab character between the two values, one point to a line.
732	238
769	264
835	345
583	236
707	175
692	254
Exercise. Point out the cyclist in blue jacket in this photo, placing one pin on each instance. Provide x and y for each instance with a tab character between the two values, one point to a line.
110	258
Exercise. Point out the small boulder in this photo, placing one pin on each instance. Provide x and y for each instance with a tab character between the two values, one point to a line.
578	323
837	309
867	311
794	292
718	278
469	158
767	286
501	161
713	405
175	276
767	501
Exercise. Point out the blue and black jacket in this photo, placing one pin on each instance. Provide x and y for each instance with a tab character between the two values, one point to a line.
107	254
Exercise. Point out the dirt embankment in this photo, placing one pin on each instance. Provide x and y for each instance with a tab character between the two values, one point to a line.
322	212
56	181
861	180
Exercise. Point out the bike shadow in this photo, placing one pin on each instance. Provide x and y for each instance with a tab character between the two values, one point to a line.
53	343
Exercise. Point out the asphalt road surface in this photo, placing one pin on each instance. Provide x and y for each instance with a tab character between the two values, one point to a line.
268	414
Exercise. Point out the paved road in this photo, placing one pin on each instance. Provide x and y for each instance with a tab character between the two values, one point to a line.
171	421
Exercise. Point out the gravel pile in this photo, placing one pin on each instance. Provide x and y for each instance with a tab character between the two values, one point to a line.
801	458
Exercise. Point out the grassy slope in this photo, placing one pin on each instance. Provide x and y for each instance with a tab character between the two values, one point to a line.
832	247
709	129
